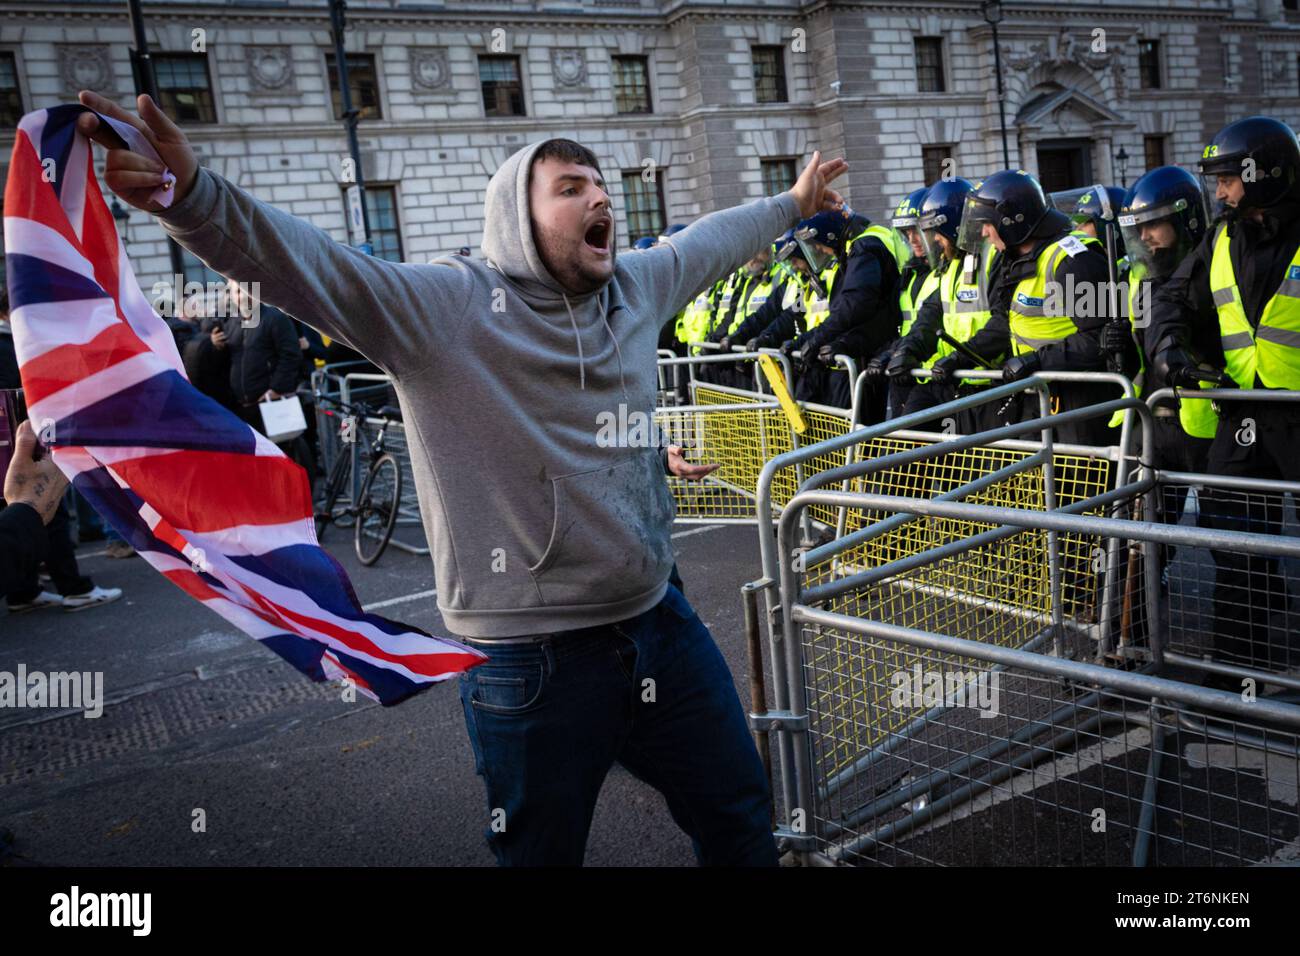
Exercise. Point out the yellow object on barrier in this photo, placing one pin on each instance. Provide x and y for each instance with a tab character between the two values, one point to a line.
774	378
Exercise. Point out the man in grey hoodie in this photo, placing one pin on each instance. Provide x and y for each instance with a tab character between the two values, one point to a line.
551	544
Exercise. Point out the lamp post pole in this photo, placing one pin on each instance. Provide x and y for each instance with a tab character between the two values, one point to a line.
338	24
992	10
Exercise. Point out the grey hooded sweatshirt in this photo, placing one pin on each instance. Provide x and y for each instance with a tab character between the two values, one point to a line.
535	524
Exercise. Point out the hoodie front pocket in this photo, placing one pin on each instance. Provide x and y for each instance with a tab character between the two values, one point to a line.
610	535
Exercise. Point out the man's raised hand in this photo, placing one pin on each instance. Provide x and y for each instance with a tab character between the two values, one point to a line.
130	175
812	191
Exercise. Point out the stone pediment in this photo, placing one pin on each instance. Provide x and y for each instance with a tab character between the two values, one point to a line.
1066	110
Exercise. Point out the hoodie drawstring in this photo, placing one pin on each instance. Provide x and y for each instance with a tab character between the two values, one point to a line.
582	368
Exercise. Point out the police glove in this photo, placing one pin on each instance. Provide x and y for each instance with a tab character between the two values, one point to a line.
900	363
941	371
1020	367
788	348
1179	367
752	345
876	367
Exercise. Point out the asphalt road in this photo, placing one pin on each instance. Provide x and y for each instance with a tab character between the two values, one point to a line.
200	717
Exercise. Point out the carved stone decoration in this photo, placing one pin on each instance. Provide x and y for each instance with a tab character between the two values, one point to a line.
1066	49
270	68
569	67
1056	51
86	67
429	69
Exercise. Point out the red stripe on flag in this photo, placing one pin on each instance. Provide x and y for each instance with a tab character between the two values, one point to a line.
425	664
99	235
193	585
205	491
29	195
66	365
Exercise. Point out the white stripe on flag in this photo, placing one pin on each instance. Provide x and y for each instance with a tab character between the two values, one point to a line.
72	194
41	326
36	239
97	387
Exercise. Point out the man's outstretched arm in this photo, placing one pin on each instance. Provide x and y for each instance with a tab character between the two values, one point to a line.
721	242
380	308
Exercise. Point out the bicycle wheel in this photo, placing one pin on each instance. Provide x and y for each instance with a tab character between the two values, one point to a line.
381	496
338	477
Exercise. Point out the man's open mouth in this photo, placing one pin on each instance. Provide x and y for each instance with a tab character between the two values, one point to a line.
599	234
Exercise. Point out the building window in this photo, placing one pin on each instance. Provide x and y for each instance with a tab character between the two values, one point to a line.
769	74
503	93
1153	149
184	87
933	159
1149	64
191	269
362	85
385	231
632	84
929	65
644	205
778	175
11	97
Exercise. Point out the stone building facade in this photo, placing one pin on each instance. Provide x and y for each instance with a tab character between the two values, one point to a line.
690	106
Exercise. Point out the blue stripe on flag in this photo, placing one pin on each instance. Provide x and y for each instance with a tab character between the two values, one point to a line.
33	281
58	138
164	411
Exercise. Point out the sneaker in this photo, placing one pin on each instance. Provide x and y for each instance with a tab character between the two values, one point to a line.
44	599
92	598
119	549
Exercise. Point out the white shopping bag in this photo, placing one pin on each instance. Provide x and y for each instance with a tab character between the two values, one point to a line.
282	419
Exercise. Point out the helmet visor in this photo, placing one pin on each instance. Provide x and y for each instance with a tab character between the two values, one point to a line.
818	258
934	249
970	236
1224	190
1156	239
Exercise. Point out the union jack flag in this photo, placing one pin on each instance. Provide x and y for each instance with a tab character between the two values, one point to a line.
215	507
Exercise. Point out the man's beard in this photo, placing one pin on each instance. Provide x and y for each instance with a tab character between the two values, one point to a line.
562	258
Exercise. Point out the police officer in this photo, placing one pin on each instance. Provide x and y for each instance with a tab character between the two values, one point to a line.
1095	211
780	316
859	264
746	291
911	283
959	305
1162	220
1048	302
1243	283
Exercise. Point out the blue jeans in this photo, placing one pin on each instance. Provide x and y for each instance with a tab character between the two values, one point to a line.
548	719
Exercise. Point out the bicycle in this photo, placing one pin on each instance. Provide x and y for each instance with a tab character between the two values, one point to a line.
374	512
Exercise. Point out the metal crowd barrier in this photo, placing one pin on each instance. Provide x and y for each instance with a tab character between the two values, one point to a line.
334	385
979	670
741	428
1231	613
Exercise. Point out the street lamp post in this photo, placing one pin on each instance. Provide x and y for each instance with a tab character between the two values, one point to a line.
338	24
1122	158
992	10
141	64
121	217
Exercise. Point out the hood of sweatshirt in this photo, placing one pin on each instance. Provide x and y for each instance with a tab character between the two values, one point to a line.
510	249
